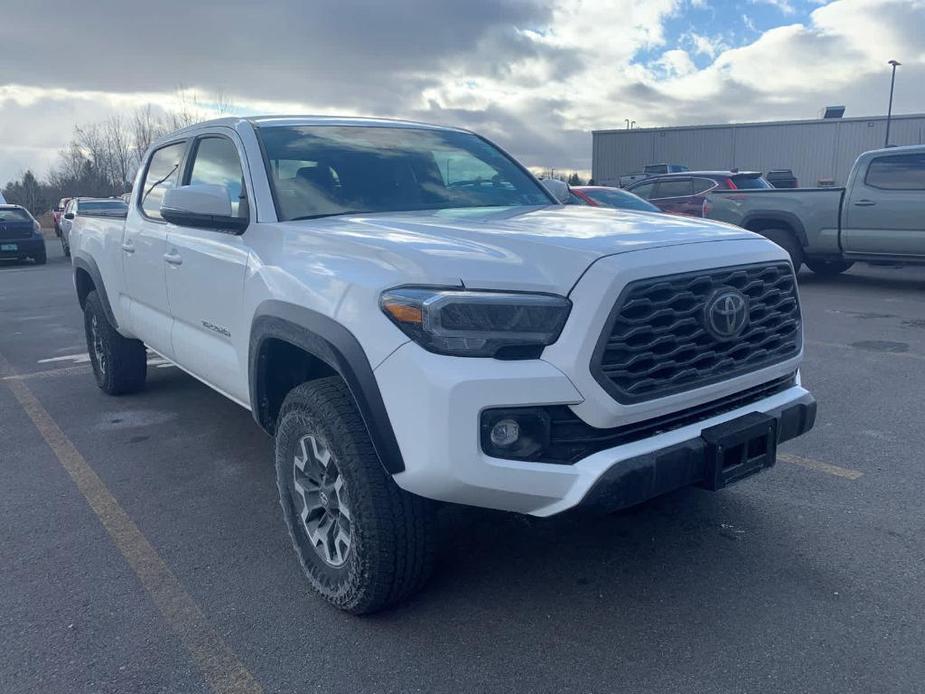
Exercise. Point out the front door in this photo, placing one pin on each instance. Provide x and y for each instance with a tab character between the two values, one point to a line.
144	246
885	211
205	279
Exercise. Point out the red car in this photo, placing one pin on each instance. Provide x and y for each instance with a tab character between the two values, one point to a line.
686	193
603	196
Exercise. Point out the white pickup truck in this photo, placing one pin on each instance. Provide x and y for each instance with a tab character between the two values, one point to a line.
415	318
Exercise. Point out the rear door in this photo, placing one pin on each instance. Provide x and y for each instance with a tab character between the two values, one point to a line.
205	276
884	212
674	195
144	247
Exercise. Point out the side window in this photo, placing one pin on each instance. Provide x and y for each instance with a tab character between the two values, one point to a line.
702	185
674	188
161	176
897	172
216	162
643	190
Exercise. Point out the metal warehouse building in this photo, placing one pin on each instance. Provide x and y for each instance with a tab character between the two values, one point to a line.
816	151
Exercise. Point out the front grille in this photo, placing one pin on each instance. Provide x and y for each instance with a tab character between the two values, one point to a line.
656	341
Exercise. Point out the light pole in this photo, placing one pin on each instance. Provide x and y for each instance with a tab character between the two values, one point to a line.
889	111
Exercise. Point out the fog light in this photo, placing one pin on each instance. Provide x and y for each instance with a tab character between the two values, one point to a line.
505	433
519	433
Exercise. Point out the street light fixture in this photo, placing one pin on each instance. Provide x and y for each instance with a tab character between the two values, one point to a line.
889	112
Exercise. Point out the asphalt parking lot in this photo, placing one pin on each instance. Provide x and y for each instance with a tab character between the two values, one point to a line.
143	549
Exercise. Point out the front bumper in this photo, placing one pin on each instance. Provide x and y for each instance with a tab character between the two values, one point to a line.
652	474
24	248
434	403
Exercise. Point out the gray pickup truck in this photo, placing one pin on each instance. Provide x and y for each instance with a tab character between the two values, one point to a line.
878	216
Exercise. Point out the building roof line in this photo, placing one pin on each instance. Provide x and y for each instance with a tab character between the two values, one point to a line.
758	124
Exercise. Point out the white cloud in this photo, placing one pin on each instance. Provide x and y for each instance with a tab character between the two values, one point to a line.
784	6
536	77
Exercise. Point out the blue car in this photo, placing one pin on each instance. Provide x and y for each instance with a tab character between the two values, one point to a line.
20	235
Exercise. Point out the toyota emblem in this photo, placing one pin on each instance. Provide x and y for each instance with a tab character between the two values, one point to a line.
726	313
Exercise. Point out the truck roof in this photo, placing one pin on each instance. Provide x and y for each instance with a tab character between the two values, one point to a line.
274	120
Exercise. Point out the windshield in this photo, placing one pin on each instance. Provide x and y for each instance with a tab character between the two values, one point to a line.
104	206
750	182
613	197
14	214
324	170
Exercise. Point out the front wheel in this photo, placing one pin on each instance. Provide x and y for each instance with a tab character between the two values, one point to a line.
362	541
119	364
828	268
66	248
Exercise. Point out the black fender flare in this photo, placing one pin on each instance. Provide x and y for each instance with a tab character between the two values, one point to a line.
334	345
788	218
88	264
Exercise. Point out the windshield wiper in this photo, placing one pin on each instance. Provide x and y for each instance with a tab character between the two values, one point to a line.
327	214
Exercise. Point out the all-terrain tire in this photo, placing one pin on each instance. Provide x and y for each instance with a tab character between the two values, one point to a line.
787	240
119	364
828	268
392	535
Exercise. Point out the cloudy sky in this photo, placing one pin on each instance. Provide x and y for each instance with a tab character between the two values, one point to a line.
535	75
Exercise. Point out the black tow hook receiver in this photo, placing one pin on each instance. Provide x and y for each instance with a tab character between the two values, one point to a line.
738	449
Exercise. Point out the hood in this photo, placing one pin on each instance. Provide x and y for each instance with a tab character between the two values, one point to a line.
527	248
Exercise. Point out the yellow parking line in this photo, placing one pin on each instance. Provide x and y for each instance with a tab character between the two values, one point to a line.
820	466
66	371
221	668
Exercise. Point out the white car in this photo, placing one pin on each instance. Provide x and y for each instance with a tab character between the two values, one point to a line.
416	319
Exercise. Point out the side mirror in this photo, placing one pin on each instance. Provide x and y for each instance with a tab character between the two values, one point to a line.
69	215
559	189
203	206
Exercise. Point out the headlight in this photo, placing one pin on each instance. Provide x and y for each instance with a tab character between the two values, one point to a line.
505	325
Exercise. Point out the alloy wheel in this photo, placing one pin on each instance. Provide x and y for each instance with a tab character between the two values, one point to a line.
320	496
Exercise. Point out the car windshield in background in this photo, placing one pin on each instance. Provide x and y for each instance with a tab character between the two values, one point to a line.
750	182
13	214
104	207
621	199
319	171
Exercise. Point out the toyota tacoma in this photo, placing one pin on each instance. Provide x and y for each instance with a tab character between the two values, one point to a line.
416	319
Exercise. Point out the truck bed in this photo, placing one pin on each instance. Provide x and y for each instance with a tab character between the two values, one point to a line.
813	213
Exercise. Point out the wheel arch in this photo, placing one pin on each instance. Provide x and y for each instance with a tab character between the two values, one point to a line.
325	348
87	278
760	220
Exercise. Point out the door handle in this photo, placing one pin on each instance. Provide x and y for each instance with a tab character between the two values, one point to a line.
128	247
865	203
173	258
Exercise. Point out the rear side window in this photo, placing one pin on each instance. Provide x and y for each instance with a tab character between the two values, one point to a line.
674	189
162	174
217	163
897	172
750	182
643	190
702	185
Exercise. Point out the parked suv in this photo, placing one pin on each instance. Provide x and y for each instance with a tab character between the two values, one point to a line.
20	235
686	193
414	318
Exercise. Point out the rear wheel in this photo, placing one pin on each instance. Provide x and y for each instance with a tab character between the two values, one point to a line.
119	364
828	268
363	542
40	258
789	242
